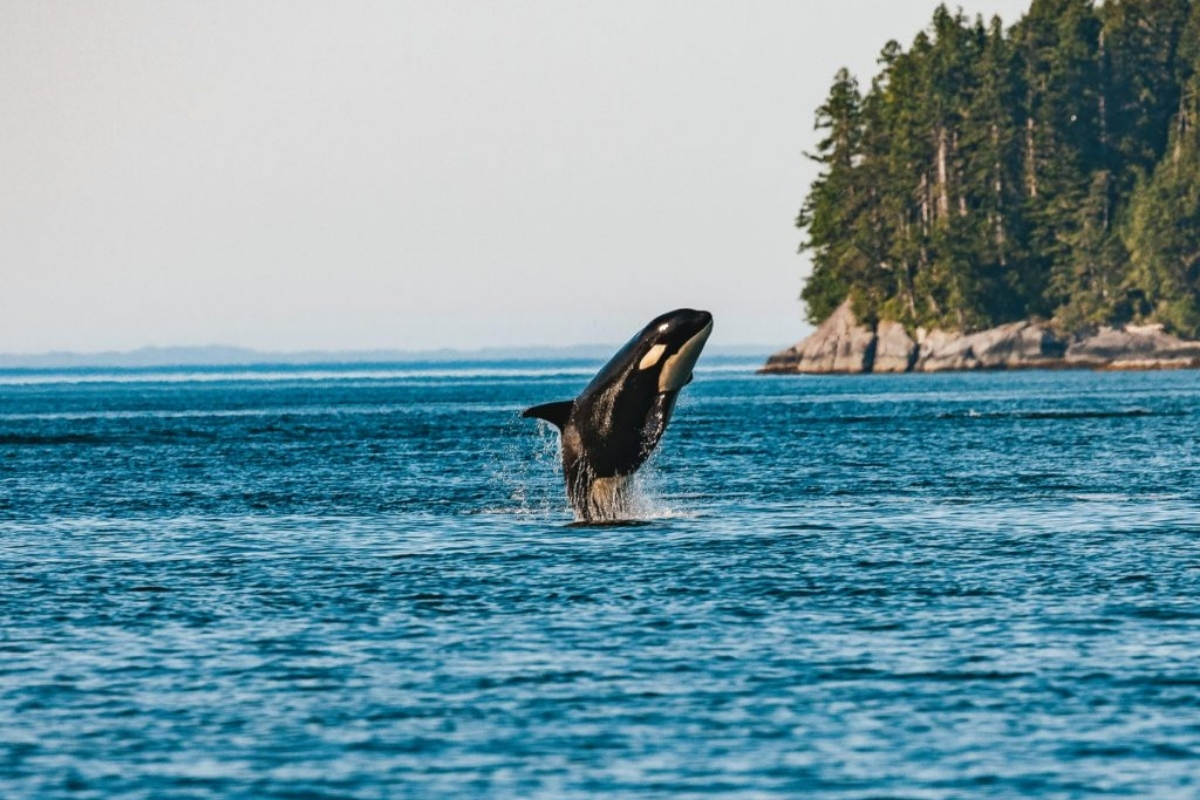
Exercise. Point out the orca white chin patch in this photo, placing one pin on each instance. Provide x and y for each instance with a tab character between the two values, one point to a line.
678	368
652	356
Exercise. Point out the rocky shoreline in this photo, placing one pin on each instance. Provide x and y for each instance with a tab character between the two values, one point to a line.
843	345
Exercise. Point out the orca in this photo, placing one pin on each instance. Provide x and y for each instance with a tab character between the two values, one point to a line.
611	428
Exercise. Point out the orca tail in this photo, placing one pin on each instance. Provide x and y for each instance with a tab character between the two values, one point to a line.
554	413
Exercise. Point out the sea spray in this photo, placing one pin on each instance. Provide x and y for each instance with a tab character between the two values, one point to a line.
525	471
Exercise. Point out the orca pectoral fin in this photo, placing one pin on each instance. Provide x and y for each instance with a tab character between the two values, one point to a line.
555	413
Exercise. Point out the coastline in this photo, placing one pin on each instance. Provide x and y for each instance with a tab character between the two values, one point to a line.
841	345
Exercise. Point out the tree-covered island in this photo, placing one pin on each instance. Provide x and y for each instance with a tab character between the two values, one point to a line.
1042	178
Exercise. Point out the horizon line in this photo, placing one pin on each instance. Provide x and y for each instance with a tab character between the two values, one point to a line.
218	355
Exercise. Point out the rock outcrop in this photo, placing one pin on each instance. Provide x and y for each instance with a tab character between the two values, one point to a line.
838	345
1133	347
841	344
1017	345
894	350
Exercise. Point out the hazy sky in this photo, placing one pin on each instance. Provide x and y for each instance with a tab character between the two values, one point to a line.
298	175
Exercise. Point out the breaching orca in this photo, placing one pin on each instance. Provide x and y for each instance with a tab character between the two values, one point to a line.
610	429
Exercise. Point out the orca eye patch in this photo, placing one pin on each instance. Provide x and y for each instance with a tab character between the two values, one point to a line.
652	357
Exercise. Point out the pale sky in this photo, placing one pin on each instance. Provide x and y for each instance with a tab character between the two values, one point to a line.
299	175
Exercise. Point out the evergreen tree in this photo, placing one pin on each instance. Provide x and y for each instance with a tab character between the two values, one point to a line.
1058	41
1090	282
828	215
1164	232
991	144
900	153
1140	84
887	162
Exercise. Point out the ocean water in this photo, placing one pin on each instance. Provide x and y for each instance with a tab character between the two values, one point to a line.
363	582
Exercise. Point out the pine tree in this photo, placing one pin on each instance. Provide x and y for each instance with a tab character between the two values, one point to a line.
1058	41
1090	282
992	181
1164	230
902	155
834	201
1140	84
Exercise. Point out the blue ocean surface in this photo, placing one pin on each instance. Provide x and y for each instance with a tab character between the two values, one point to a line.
363	582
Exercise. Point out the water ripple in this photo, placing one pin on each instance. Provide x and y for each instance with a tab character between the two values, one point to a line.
357	586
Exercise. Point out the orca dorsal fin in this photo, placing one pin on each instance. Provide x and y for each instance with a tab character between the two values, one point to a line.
555	413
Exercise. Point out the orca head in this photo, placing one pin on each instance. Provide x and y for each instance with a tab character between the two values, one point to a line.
658	359
669	346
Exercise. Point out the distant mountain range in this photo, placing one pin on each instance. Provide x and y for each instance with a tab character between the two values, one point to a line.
226	356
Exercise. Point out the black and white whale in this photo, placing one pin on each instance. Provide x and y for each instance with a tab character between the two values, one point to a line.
611	428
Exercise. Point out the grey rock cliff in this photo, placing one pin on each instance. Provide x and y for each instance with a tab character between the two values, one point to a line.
1017	345
894	350
838	345
841	344
1133	347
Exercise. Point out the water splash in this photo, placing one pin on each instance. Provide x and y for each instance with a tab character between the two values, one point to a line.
648	499
626	499
527	472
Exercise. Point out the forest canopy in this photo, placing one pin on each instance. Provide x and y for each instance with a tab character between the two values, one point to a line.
1050	170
